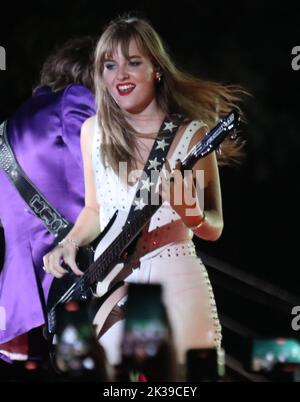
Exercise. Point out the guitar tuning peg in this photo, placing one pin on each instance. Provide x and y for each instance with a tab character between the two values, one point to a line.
233	134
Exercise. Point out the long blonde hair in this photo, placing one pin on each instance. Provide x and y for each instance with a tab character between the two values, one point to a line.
178	92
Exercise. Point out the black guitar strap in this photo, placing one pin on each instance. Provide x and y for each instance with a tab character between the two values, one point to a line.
54	221
157	157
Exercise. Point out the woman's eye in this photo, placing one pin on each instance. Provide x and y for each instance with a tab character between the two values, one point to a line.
109	66
135	63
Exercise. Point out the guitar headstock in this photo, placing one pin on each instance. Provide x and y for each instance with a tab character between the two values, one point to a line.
227	126
231	122
211	142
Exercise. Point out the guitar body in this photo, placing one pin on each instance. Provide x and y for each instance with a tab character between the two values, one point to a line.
69	286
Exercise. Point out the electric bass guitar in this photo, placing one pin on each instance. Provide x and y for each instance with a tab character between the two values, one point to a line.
119	236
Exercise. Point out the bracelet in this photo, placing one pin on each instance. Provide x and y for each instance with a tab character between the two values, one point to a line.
74	242
200	223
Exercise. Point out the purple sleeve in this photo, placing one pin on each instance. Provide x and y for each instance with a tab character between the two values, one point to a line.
78	104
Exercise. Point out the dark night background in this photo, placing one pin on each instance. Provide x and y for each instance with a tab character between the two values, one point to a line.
246	43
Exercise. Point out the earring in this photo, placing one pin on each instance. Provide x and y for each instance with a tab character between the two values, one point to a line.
158	77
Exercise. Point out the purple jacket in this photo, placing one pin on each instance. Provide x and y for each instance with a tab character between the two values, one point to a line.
45	136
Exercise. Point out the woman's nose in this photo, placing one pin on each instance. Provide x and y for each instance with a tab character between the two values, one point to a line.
122	74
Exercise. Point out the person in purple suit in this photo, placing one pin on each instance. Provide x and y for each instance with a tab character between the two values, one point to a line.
44	134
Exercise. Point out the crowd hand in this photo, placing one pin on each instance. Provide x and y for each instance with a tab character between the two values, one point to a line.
178	188
65	253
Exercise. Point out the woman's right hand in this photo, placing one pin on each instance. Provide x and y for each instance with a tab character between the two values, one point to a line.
65	252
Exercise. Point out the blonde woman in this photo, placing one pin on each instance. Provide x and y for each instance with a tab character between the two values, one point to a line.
137	85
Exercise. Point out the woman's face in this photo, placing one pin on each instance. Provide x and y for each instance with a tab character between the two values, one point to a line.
131	82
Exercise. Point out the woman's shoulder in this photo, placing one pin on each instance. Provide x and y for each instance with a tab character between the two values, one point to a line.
90	123
195	131
191	128
186	122
189	133
88	128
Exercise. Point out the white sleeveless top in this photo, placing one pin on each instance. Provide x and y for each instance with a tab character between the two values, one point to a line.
113	194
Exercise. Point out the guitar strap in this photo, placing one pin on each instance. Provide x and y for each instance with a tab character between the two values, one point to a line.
54	221
148	180
157	157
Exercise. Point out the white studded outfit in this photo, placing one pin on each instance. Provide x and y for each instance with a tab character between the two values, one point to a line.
166	256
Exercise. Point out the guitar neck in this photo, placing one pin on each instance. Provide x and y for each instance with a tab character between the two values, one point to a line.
209	143
101	267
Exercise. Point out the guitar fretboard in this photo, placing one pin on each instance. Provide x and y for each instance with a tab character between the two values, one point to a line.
101	267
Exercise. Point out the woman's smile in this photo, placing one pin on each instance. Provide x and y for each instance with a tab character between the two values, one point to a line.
125	88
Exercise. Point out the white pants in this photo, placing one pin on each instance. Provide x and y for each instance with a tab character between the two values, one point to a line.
187	296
